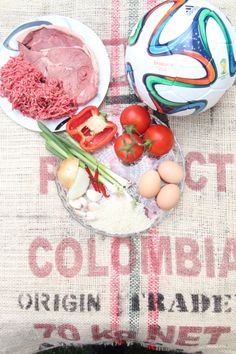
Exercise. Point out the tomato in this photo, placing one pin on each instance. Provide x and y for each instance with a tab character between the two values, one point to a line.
159	140
127	149
135	117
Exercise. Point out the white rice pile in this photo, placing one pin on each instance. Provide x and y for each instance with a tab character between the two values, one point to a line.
119	214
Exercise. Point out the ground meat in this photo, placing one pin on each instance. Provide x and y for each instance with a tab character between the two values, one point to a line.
32	94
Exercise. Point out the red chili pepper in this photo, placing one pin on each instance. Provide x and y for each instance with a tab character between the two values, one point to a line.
89	172
152	347
91	129
102	190
92	180
101	187
97	186
96	175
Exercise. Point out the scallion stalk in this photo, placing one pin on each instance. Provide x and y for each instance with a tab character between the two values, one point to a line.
54	152
94	164
102	177
59	149
102	168
65	146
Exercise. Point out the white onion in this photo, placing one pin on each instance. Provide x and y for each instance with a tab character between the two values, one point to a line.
67	172
80	185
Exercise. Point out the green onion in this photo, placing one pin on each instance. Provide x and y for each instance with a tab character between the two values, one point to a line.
92	162
59	150
54	152
102	177
65	146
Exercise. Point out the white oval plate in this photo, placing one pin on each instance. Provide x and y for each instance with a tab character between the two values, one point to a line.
9	48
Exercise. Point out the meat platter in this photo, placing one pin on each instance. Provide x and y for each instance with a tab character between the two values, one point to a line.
11	47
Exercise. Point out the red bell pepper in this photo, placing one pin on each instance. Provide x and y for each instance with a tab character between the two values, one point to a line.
91	128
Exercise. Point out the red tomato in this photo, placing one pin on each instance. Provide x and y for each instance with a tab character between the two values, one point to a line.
159	140
127	149
137	117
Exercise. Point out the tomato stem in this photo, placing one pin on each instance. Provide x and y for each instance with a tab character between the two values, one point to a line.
148	143
127	147
103	115
130	128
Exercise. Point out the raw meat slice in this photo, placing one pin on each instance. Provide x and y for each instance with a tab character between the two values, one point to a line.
60	55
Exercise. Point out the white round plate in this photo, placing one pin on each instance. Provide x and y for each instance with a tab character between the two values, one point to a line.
9	48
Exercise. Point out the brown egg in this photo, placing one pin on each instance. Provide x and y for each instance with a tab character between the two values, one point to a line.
149	184
171	172
168	197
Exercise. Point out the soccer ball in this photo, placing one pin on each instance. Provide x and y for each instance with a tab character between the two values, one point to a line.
180	57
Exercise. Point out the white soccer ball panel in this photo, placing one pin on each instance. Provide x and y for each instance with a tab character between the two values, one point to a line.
218	11
180	21
196	71
214	34
173	95
185	94
152	21
163	65
143	93
215	96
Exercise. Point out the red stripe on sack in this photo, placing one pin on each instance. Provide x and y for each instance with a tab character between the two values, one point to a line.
115	41
115	91
119	84
115	56
151	4
115	50
153	277
117	80
115	287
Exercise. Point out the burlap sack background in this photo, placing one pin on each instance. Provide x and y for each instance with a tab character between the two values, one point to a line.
115	288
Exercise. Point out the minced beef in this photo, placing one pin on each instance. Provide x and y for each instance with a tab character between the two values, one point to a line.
33	94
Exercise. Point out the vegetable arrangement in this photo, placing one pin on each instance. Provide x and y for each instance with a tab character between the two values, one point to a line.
65	147
93	190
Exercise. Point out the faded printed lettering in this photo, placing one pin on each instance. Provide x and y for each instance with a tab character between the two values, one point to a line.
193	158
189	259
46	162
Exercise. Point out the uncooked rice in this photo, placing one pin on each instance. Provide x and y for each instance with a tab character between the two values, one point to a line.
119	214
